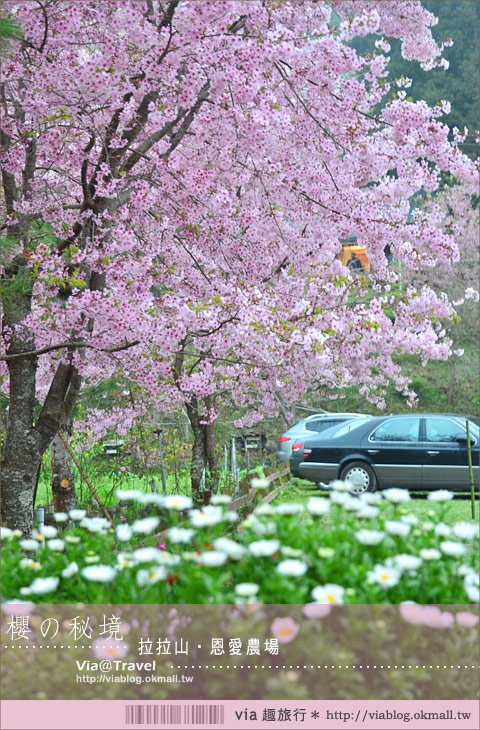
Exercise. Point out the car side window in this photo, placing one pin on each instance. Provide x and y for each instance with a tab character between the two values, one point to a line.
443	430
401	429
321	425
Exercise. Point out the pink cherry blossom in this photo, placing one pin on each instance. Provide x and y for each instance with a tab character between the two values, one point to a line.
179	182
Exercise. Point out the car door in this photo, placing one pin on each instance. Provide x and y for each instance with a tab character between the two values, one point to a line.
396	452
445	461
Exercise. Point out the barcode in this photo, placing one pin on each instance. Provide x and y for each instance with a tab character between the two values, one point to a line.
172	714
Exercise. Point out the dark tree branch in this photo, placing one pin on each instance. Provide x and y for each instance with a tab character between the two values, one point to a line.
73	345
45	33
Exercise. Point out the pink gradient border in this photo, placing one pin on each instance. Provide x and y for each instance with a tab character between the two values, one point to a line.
110	714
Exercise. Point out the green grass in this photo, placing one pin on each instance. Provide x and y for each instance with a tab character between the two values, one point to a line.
107	485
459	510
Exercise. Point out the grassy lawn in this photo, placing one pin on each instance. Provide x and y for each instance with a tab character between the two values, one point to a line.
107	485
459	510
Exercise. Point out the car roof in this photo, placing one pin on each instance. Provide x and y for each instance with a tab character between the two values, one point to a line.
332	415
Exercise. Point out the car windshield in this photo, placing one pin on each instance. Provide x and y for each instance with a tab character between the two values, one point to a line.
345	428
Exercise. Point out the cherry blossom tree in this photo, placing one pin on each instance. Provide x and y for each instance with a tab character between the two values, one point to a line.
177	178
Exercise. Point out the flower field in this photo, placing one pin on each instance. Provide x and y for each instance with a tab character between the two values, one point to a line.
333	549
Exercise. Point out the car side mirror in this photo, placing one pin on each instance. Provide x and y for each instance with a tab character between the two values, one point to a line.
462	439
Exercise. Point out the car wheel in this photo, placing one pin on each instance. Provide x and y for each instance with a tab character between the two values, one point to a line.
361	477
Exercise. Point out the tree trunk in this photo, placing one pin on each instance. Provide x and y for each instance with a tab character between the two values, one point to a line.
204	456
25	443
63	479
22	458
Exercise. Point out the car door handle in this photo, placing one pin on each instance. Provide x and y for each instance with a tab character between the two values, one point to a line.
373	451
433	452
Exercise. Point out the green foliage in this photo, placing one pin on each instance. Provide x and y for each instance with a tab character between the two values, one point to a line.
10	30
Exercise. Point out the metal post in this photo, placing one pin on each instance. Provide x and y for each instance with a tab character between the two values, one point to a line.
162	462
233	455
202	481
40	517
237	483
247	454
225	463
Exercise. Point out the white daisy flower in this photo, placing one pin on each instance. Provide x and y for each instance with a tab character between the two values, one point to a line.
352	504
233	549
247	589
396	496
146	555
44	585
318	506
177	501
340	486
261	528
207	516
56	545
440	495
367	512
369	537
145	526
385	575
125	560
163	556
257	483
410	519
123	532
90	559
49	531
453	549
292	568
77	514
428	554
99	573
404	561
29	563
264	509
465	530
6	533
72	539
400	529
97	525
60	516
473	593
29	544
442	530
370	497
212	558
339	497
290	508
152	576
329	593
179	534
70	570
128	495
264	548
152	498
217	499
